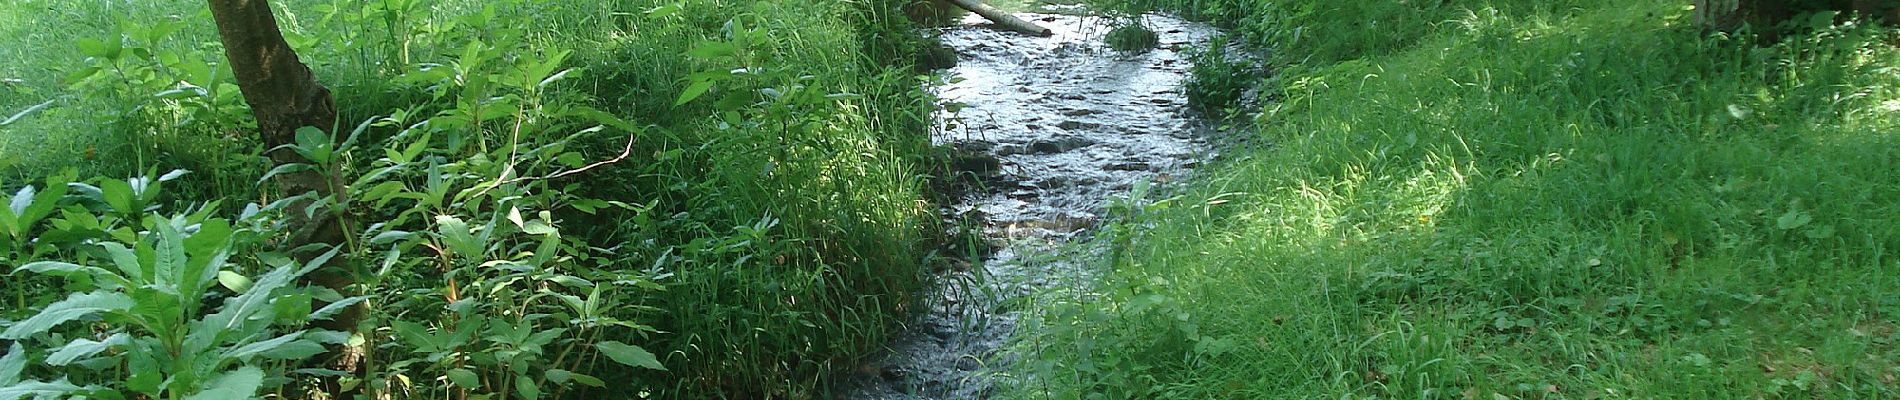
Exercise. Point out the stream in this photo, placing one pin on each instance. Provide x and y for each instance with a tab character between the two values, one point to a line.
1052	128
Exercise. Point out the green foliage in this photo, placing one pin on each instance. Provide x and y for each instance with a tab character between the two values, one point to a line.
1220	79
1512	199
151	334
1128	38
546	199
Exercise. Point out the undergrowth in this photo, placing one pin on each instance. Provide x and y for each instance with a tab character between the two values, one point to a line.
1513	199
759	219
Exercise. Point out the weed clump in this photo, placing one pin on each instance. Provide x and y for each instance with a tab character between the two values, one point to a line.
1131	38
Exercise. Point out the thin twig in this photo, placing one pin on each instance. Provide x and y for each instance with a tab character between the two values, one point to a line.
628	151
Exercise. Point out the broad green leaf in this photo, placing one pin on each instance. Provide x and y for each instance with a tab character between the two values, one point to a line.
39	390
62	269
562	376
94	48
1793	219
118	194
335	307
253	304
234	281
559	376
539	227
128	262
12	364
44	202
297	350
313	144
241	383
417	336
170	255
464	378
390	237
527	388
514	215
241	353
285	169
455	232
83	348
81	74
629	355
75	306
693	91
664	11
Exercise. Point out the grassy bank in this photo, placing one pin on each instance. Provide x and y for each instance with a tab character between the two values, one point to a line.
770	225
1524	199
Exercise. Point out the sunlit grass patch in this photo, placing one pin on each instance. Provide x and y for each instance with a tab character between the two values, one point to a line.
1520	199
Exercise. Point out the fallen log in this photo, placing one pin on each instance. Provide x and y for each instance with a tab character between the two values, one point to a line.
1002	18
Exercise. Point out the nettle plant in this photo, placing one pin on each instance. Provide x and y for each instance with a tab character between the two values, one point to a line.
157	308
478	292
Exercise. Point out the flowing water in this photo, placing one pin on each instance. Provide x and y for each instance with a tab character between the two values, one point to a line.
1051	127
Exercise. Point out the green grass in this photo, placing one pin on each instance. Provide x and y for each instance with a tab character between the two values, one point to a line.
1516	198
790	237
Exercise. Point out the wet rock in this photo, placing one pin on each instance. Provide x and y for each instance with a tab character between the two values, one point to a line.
974	146
1129	166
1080	112
1072	125
1058	145
981	164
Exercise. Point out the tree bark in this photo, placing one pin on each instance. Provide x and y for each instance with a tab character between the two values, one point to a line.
1732	15
284	96
1002	18
1719	15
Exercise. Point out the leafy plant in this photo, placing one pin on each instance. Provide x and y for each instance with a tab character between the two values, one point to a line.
148	333
1220	79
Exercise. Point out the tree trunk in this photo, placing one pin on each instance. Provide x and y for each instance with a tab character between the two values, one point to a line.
284	95
1731	15
1719	15
1001	18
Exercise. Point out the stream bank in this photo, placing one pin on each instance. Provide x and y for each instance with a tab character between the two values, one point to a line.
1047	129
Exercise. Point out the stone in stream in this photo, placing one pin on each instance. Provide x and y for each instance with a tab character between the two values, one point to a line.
975	161
1058	145
1080	112
1071	125
1129	166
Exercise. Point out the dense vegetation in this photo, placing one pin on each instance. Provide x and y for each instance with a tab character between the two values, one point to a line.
1512	199
711	198
635	198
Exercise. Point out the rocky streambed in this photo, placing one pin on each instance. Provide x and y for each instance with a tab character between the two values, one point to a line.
1049	128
